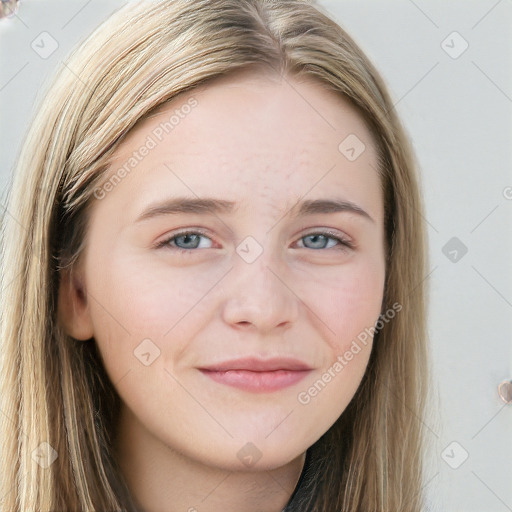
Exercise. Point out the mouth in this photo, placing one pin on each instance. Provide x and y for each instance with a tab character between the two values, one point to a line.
257	375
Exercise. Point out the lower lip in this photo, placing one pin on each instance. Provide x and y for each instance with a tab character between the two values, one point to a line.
257	381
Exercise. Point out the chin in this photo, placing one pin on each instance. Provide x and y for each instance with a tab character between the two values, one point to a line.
252	456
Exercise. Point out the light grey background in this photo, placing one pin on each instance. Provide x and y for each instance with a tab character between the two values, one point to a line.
457	110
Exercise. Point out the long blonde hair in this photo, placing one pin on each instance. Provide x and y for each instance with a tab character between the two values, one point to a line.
54	388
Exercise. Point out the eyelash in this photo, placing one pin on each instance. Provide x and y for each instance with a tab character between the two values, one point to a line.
345	243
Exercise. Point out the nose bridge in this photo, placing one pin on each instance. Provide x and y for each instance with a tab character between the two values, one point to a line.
258	292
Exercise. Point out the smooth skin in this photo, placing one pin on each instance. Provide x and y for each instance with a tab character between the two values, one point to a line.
264	143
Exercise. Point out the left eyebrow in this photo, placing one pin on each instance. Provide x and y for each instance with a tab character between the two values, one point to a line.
212	206
319	206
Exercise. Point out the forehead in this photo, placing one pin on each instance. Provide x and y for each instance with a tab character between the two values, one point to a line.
251	135
251	106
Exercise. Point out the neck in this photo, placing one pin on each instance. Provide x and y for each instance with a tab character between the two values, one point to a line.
161	479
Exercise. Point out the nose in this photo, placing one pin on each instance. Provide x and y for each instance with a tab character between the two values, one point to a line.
259	297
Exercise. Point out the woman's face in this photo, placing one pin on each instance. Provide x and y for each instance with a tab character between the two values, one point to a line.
234	344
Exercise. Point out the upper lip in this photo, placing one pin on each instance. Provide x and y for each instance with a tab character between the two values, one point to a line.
255	364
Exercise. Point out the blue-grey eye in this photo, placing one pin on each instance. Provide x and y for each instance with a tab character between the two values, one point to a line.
319	241
190	241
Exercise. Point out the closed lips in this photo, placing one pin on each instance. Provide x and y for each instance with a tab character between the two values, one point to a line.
259	365
256	375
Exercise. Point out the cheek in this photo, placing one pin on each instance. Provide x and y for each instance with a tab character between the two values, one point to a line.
348	301
351	304
135	301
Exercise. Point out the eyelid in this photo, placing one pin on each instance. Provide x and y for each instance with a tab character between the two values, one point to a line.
324	230
329	231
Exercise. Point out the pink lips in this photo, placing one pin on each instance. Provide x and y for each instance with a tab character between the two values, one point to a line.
258	375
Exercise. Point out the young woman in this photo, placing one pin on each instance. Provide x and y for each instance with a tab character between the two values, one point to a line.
212	274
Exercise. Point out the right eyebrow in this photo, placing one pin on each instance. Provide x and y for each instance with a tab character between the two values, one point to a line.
187	205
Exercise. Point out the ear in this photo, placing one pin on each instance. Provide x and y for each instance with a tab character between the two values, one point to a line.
73	308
